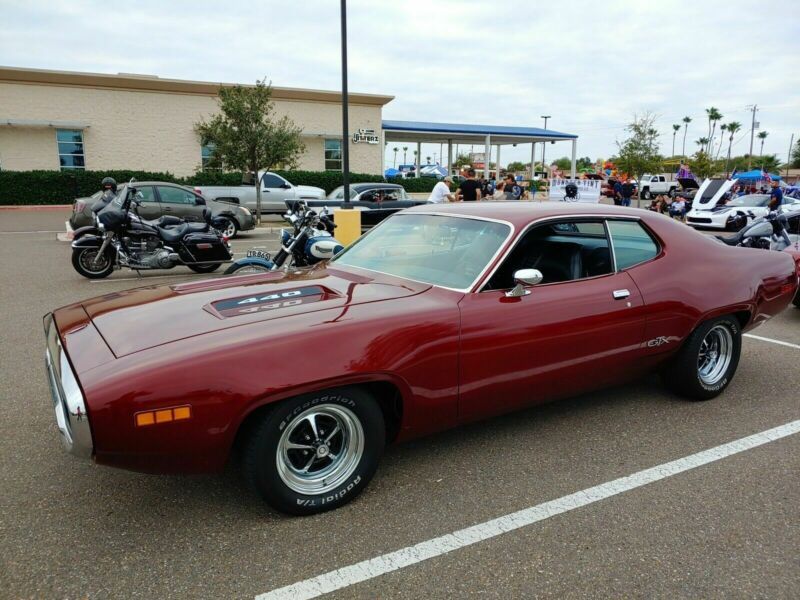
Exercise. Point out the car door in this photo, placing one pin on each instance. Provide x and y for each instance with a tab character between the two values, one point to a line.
561	339
178	202
275	191
149	207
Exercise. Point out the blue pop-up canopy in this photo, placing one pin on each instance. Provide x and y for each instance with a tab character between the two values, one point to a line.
755	174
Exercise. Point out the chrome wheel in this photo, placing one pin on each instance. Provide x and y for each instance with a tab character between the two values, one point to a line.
248	269
319	449
716	353
230	229
87	261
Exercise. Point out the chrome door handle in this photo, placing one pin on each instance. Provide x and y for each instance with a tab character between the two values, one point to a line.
620	294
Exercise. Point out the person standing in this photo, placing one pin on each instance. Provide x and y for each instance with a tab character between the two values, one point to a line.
627	192
512	190
470	188
441	191
617	192
775	196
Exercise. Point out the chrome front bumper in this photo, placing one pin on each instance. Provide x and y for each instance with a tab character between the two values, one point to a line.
68	401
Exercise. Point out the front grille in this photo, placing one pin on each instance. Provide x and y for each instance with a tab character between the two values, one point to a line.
699	220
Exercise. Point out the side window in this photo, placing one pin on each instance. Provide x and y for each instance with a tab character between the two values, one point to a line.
271	181
563	251
632	243
333	155
147	194
173	195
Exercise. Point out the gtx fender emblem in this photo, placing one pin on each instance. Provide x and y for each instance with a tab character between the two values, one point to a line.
659	341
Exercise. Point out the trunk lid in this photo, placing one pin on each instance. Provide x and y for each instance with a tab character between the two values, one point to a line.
134	320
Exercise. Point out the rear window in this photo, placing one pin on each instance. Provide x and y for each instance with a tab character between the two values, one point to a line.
632	243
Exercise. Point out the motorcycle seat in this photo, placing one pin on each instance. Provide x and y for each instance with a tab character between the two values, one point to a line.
175	234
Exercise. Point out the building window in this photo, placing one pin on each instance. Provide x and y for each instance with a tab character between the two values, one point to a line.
206	155
70	149
333	155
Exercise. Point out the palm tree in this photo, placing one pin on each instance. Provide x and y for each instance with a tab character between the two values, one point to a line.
405	149
703	143
675	130
722	129
686	121
394	162
427	160
733	127
713	116
762	135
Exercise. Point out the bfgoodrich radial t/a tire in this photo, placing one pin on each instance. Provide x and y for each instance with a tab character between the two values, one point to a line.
315	452
707	362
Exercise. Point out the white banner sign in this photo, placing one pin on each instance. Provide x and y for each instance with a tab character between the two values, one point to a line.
588	190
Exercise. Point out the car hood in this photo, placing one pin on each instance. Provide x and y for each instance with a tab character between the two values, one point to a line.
310	190
135	320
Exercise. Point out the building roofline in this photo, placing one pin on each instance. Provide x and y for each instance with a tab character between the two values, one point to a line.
131	81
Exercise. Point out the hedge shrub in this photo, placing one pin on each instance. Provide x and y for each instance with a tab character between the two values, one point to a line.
62	187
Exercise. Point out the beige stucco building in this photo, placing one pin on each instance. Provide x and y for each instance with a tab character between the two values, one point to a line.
58	119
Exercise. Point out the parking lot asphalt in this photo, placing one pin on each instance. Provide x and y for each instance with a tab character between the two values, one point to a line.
731	528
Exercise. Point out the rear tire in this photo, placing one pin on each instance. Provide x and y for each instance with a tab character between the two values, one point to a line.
83	258
707	362
205	268
315	452
645	194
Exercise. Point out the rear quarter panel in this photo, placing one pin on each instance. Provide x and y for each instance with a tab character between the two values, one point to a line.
697	278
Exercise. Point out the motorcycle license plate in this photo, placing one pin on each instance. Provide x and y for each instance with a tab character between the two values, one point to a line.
258	254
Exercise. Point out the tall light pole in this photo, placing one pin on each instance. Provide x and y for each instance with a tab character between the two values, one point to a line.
544	148
345	125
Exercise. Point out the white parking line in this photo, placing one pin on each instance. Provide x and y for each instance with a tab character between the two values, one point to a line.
764	339
375	567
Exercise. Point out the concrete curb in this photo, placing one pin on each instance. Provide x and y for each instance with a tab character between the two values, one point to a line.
36	207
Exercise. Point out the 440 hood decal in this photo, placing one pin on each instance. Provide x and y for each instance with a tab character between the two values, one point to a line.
245	305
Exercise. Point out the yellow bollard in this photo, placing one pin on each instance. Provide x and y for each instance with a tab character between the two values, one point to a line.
348	225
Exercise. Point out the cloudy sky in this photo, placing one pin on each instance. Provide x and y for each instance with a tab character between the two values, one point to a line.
590	65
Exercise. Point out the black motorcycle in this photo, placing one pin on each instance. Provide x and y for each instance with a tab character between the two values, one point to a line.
124	239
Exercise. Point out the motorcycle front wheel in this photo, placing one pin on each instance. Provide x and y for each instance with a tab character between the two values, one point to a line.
83	260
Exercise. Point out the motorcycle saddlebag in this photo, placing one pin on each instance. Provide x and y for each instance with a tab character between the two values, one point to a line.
205	247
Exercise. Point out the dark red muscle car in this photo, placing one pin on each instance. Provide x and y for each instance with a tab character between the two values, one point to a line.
440	315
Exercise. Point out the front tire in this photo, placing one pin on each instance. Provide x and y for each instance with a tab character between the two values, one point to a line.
707	362
247	269
316	452
796	300
83	261
646	194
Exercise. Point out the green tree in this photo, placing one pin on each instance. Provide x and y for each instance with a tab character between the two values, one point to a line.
686	121
701	163
768	162
732	127
394	161
713	116
762	135
462	160
515	166
584	163
638	154
675	129
564	163
248	136
794	159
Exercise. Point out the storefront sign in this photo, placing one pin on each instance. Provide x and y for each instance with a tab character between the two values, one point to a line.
367	136
588	190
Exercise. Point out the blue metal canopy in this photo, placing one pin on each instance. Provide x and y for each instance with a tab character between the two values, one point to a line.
500	134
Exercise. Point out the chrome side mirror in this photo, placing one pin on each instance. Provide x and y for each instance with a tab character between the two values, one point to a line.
522	278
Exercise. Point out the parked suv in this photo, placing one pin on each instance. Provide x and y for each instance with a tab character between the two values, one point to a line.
653	185
160	198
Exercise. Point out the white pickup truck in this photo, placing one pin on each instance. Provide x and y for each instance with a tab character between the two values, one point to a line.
653	185
275	191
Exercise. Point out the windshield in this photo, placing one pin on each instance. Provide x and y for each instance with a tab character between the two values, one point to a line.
751	200
338	193
443	250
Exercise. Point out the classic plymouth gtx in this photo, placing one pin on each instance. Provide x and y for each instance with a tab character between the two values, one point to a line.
440	315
